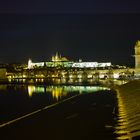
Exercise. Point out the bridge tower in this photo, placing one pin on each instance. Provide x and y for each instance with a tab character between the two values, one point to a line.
137	57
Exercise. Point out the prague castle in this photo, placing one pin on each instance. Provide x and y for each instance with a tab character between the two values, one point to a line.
60	67
58	61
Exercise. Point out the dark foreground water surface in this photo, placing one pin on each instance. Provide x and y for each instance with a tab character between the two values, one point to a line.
57	112
19	100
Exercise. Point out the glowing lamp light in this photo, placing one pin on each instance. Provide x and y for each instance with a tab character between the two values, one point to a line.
101	76
116	75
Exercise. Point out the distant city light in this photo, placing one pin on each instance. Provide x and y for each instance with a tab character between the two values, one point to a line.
62	61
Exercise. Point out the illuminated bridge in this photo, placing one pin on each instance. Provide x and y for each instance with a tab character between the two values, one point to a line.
60	68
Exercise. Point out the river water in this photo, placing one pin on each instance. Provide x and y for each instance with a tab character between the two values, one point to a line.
128	120
18	100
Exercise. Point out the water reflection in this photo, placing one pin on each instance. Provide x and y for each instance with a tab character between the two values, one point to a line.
24	99
128	126
3	87
31	89
61	91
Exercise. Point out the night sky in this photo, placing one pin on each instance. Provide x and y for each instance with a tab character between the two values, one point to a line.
93	30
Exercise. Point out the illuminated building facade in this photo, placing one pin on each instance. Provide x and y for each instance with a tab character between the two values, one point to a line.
58	61
63	70
33	65
58	58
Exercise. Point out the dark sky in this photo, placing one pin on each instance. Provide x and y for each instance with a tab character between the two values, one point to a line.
69	6
94	30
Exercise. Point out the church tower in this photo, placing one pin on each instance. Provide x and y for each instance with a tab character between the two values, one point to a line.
137	55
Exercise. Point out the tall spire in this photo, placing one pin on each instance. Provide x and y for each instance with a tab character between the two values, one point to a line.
56	57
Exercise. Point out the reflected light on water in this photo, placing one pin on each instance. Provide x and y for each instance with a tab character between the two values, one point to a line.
3	87
57	93
128	123
60	91
122	126
24	99
31	90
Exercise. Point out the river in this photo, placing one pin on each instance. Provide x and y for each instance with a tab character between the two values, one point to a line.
86	110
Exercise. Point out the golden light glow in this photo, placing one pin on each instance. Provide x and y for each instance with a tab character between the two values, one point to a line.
57	93
116	75
31	90
58	58
122	129
29	64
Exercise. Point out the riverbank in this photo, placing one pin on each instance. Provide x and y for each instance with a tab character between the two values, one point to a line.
128	126
87	116
130	87
56	81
